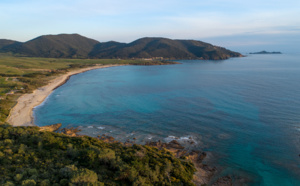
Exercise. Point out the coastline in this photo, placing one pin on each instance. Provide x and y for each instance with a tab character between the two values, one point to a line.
21	113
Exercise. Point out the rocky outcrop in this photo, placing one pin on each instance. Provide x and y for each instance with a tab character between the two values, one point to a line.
51	128
57	128
70	131
223	181
107	139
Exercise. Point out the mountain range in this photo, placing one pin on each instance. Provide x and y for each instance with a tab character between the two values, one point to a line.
77	46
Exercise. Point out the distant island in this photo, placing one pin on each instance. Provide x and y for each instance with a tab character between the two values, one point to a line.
76	46
265	52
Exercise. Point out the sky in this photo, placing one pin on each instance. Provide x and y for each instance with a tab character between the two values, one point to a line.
236	24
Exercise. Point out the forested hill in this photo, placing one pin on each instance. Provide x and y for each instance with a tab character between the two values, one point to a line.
162	47
57	46
7	42
77	46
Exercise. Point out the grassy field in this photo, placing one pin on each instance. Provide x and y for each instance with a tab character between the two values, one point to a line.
19	75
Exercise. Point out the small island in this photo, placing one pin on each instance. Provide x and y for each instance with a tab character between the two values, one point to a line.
265	52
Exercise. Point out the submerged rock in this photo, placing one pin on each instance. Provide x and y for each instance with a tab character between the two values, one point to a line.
223	181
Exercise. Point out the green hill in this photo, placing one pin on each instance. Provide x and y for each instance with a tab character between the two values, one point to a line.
166	48
104	50
56	46
6	42
76	46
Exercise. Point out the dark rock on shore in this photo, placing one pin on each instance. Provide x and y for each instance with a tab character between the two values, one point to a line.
107	139
70	131
174	145
223	181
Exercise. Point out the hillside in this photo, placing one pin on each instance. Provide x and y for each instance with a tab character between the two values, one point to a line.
106	50
166	48
76	46
7	42
57	46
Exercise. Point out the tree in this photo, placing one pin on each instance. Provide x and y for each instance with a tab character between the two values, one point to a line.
28	183
83	176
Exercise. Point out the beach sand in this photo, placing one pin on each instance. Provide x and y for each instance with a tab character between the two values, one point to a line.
21	113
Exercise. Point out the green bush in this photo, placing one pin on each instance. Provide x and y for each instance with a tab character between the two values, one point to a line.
28	183
45	183
18	177
8	183
83	176
64	182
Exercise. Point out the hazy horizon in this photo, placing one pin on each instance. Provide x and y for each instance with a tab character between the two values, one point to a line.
240	26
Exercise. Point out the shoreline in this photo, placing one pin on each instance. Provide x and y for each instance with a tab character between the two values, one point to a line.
21	113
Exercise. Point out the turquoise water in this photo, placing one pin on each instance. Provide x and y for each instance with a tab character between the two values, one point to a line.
245	112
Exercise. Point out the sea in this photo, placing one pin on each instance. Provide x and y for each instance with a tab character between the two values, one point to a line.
244	112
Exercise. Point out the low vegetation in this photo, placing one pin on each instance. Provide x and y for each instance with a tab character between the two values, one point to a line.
31	157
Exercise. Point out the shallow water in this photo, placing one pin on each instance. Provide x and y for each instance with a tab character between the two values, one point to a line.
243	111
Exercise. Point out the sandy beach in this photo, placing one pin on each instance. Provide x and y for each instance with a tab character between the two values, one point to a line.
21	113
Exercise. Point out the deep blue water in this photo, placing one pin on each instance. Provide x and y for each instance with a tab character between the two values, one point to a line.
245	112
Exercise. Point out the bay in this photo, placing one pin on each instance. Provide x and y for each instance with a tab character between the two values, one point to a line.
245	112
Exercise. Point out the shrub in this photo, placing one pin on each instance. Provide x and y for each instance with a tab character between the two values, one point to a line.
67	171
64	182
106	155
9	183
28	183
45	183
84	176
18	177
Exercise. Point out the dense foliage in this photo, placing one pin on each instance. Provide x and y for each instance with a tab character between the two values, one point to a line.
31	157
